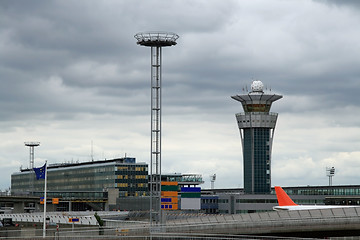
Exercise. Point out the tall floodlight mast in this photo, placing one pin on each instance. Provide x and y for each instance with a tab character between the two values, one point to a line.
32	145
156	40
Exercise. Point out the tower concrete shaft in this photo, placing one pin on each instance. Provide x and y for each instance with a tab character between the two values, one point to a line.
156	40
257	125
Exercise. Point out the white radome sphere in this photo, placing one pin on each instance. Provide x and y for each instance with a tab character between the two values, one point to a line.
257	86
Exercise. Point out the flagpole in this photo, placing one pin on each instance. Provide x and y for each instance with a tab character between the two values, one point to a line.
45	190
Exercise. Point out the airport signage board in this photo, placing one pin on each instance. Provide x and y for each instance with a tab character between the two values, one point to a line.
74	220
169	195
191	198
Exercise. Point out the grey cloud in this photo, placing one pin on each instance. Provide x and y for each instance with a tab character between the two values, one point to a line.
340	3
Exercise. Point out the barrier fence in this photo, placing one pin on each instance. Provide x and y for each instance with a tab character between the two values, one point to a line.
205	227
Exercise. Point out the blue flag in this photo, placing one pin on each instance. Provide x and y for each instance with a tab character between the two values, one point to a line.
40	172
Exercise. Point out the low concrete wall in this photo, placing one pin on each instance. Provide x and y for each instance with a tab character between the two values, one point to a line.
272	222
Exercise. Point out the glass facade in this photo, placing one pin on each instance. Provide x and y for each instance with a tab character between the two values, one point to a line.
350	190
256	155
86	180
183	179
209	204
132	180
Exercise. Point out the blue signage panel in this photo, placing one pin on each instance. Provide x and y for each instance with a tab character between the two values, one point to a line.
190	189
74	220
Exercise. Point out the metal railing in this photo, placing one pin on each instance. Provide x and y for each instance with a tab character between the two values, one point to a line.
256	113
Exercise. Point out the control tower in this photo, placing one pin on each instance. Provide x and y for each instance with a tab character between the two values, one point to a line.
257	125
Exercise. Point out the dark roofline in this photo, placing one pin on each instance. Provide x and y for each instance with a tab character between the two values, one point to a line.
64	165
285	188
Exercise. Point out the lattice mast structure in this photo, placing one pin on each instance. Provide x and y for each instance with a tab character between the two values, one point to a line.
156	40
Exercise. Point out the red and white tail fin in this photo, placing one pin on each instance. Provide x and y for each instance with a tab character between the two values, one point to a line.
283	198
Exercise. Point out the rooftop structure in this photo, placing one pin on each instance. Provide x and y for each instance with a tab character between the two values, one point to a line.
183	179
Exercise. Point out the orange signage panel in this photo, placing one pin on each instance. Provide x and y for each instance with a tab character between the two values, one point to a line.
169	183
169	194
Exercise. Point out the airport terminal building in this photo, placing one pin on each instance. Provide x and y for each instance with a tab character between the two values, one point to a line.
235	201
88	181
120	183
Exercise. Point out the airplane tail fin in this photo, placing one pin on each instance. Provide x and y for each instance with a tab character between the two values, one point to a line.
283	198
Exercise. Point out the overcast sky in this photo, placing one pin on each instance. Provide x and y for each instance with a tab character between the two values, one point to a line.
71	75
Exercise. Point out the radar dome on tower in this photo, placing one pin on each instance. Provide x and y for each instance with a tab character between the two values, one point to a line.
257	86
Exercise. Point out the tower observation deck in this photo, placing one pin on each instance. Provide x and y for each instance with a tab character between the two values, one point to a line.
257	125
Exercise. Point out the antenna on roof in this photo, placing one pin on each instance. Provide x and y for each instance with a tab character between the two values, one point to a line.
330	172
212	180
92	151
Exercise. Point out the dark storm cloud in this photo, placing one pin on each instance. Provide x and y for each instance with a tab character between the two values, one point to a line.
52	46
81	46
80	43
